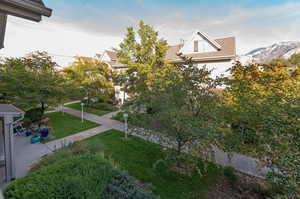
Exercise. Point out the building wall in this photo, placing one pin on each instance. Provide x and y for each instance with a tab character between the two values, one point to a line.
120	95
219	68
105	57
203	45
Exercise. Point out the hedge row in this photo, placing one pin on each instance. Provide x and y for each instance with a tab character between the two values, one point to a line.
77	177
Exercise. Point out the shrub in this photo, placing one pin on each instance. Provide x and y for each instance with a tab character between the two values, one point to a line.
104	107
121	185
229	173
119	117
34	114
77	177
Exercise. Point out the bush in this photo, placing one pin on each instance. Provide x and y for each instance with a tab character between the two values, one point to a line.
77	177
119	117
121	185
76	148
104	107
34	115
231	176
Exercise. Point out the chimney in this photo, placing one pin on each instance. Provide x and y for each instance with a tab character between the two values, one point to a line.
181	41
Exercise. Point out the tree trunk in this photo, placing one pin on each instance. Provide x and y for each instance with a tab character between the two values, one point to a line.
178	151
43	107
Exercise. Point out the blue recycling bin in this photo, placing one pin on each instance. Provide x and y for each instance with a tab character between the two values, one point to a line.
35	139
44	132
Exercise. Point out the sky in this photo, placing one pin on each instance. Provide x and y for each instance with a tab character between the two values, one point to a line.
87	27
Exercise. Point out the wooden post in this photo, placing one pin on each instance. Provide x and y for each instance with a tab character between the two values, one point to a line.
3	19
10	167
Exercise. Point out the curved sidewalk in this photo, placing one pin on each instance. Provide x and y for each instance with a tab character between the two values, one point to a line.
27	154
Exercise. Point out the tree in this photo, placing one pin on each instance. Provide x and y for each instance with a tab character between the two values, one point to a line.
92	77
31	81
186	111
144	55
263	106
295	59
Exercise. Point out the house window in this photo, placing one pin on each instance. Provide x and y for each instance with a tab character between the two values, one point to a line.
196	46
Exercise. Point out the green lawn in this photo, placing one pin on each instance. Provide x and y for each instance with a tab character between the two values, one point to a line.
138	157
64	125
95	111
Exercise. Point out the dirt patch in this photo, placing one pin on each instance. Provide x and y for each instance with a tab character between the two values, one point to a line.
245	187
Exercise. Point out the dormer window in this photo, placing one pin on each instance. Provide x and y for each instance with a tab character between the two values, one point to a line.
196	46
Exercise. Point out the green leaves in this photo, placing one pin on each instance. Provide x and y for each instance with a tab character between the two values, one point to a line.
263	108
91	78
31	81
144	55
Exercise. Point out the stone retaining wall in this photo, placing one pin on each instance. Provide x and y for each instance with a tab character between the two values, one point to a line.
241	163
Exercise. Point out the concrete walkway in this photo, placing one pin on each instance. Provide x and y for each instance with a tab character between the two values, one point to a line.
27	154
105	120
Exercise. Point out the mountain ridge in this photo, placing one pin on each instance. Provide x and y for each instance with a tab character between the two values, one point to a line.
277	50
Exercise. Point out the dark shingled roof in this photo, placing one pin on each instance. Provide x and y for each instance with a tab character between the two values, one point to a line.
38	1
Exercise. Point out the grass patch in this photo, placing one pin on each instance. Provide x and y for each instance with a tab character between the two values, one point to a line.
65	125
96	111
138	157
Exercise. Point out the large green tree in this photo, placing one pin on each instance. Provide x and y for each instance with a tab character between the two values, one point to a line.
31	81
186	111
143	52
263	108
91	77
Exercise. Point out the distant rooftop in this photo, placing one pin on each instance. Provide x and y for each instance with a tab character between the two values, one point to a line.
8	109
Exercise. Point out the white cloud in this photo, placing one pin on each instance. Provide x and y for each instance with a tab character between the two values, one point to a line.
23	37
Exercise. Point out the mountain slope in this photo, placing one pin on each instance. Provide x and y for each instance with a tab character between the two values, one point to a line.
279	50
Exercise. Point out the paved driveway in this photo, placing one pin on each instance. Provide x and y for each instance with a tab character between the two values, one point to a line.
27	154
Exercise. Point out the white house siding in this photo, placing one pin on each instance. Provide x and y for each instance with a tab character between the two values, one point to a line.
120	95
219	68
105	57
203	46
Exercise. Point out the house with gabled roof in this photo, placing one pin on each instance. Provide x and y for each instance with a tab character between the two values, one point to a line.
216	54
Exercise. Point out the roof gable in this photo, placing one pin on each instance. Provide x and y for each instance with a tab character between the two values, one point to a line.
227	51
109	56
203	44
